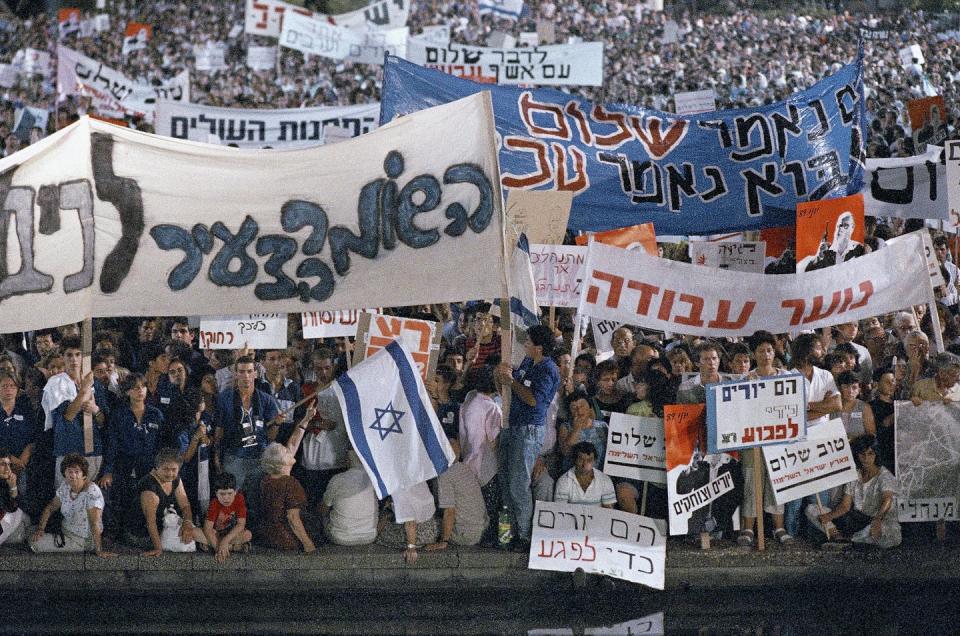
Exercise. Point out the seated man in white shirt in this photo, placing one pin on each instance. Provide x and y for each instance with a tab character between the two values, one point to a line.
349	509
584	484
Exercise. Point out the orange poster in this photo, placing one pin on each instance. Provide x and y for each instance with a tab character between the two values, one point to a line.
683	425
68	21
627	238
928	119
829	232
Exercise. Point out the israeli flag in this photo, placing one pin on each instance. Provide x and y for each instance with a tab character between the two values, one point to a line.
523	299
391	422
510	9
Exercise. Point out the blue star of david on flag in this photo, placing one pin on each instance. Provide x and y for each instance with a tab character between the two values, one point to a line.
392	427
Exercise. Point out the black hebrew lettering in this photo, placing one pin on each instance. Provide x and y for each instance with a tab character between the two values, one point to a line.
827	166
756	182
783	126
234	248
745	126
824	126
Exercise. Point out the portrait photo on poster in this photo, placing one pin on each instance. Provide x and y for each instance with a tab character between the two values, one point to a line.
830	231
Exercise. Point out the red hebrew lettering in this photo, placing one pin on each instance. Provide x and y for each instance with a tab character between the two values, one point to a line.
424	330
692	319
798	305
586	544
666	304
616	286
657	144
528	107
723	321
867	288
545	175
263	10
581	181
817	313
573	109
847	299
647	292
619	120
544	553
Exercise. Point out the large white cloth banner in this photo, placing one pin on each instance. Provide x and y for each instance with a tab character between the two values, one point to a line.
556	65
319	37
656	293
138	225
819	463
908	187
266	17
112	93
255	128
567	537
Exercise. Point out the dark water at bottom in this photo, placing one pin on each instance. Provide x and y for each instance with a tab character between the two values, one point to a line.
869	610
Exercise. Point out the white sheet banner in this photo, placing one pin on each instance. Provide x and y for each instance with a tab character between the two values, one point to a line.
330	324
803	468
147	225
111	91
908	188
635	448
555	65
693	102
256	331
261	58
255	128
557	273
953	185
318	37
750	413
567	537
376	44
265	17
657	293
746	256
384	14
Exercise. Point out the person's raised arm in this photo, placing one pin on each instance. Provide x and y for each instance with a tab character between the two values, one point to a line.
300	429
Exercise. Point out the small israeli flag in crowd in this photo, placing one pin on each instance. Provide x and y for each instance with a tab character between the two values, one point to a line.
510	9
523	299
391	422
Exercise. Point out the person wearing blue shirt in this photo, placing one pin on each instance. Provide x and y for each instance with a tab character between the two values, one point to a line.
533	385
17	427
193	432
284	390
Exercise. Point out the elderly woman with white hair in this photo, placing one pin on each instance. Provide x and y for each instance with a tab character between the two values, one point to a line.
282	497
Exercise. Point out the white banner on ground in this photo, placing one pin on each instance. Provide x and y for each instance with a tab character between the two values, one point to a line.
330	324
694	102
635	448
555	65
111	92
567	537
665	295
150	225
821	462
557	273
651	625
255	128
256	331
908	187
377	44
318	37
261	58
746	256
750	413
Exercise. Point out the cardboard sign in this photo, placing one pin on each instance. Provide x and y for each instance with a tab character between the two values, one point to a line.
567	537
330	324
910	53
420	337
635	237
542	216
256	331
927	460
817	464
694	102
829	232
635	448
749	413
739	256
557	273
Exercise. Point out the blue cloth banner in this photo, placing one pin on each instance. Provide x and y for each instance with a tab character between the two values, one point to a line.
698	174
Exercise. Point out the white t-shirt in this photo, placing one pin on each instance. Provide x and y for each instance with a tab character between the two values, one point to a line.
325	450
413	503
74	510
600	491
817	389
353	504
59	389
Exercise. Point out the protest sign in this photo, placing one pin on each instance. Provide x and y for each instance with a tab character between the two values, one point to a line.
636	237
256	128
509	9
953	184
557	273
26	118
549	65
635	448
546	31
928	120
830	231
261	58
693	102
68	21
874	33
210	57
330	324
265	17
733	171
376	44
737	256
420	337
665	295
933	265
112	93
750	413
318	37
256	331
703	490
251	236
135	36
567	537
907	187
438	34
542	216
821	462
528	38
8	75
927	460
33	62
603	336
908	54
